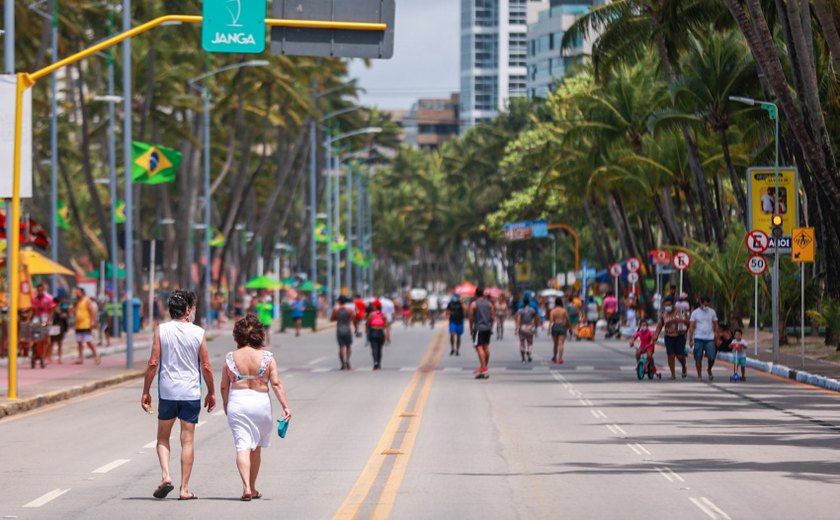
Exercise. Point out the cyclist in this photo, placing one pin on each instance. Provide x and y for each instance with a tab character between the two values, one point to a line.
646	346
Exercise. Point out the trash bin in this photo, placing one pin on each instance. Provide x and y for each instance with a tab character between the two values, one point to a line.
309	320
135	315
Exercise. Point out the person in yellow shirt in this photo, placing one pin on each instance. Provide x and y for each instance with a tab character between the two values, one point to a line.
85	323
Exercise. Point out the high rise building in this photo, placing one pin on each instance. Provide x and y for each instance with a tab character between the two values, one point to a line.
546	62
493	56
431	122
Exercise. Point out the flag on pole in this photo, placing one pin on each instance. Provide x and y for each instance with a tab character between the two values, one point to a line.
119	212
337	242
153	164
217	239
357	257
368	260
322	234
62	216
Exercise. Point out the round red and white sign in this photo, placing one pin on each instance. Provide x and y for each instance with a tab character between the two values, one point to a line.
757	241
615	270
681	261
661	257
756	265
633	265
633	278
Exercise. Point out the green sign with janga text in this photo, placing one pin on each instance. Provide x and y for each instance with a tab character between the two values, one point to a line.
233	26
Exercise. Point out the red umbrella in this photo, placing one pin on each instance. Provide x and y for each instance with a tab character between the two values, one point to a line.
30	232
466	289
493	292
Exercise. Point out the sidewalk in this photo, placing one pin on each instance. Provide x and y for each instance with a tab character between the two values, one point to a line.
39	387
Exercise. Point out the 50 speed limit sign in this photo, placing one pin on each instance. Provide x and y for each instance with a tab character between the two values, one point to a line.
633	278
756	265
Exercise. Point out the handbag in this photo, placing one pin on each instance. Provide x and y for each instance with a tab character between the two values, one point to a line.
282	427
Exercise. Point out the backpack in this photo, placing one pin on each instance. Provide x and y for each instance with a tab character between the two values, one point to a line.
377	320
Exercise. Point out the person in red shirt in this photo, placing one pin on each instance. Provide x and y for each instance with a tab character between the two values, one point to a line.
43	303
646	345
361	311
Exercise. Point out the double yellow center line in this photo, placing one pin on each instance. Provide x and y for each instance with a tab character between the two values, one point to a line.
403	421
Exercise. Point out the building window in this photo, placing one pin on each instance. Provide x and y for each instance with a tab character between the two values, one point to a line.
518	12
486	13
517	85
517	49
486	51
486	93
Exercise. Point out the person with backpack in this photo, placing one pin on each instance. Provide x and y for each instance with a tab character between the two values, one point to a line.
345	321
375	328
455	311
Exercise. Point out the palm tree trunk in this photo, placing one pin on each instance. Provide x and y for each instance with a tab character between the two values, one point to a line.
74	207
734	179
830	33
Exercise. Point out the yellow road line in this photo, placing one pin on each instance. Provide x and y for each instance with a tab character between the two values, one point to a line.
349	509
392	485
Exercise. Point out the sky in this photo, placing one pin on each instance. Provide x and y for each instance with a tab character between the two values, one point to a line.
426	56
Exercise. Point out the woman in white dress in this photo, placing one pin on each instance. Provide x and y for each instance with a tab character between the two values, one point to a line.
246	377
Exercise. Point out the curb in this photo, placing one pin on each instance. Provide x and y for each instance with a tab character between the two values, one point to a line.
787	372
31	403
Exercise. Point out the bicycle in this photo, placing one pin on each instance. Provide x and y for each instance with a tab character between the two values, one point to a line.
643	368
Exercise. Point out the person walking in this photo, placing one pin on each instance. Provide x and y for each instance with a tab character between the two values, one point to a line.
702	335
455	311
248	374
60	324
375	328
527	321
345	321
298	306
179	358
670	321
559	324
481	328
85	312
501	315
388	309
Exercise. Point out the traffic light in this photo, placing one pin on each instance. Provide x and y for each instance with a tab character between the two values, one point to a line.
777	226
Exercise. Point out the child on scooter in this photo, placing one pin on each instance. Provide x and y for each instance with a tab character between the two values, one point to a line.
646	344
739	349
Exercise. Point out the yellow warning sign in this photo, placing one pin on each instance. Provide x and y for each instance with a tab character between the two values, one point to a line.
523	272
803	245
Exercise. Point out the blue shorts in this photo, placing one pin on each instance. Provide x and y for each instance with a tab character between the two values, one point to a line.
707	346
184	410
456	328
741	360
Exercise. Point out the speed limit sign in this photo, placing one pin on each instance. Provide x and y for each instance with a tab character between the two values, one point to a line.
633	265
615	270
633	278
756	265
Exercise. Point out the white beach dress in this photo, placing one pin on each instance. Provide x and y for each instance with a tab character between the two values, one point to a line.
249	412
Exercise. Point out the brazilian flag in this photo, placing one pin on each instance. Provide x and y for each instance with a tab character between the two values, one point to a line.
322	234
153	164
368	260
217	239
357	257
62	216
337	242
119	210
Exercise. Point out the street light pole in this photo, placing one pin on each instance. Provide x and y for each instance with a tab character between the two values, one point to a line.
328	192
112	163
313	179
348	265
129	195
773	112
54	145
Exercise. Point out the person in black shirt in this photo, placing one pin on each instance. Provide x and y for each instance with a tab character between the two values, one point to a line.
456	311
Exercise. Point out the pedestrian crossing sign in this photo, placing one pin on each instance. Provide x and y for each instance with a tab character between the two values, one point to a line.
803	245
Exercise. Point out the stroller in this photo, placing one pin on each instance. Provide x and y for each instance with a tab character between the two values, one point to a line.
613	326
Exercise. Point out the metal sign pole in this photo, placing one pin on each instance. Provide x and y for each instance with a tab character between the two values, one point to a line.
802	311
681	281
755	319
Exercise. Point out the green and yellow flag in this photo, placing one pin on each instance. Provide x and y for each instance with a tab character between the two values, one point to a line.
368	260
357	257
62	216
119	212
322	234
217	239
337	242
153	164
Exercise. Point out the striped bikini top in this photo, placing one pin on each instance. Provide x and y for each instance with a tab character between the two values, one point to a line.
266	359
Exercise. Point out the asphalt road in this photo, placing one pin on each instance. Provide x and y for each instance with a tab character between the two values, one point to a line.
423	439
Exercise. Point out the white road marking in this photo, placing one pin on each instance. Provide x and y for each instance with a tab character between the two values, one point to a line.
317	360
453	369
321	370
665	475
595	414
617	427
585	368
715	508
610	426
637	452
583	402
710	513
587	402
408	369
111	465
626	368
44	499
152	444
601	414
674	474
644	450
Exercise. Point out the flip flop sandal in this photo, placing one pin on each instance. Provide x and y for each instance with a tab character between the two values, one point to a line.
163	490
245	498
257	496
191	497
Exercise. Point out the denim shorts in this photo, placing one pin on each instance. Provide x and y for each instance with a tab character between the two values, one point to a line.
185	410
456	328
704	345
